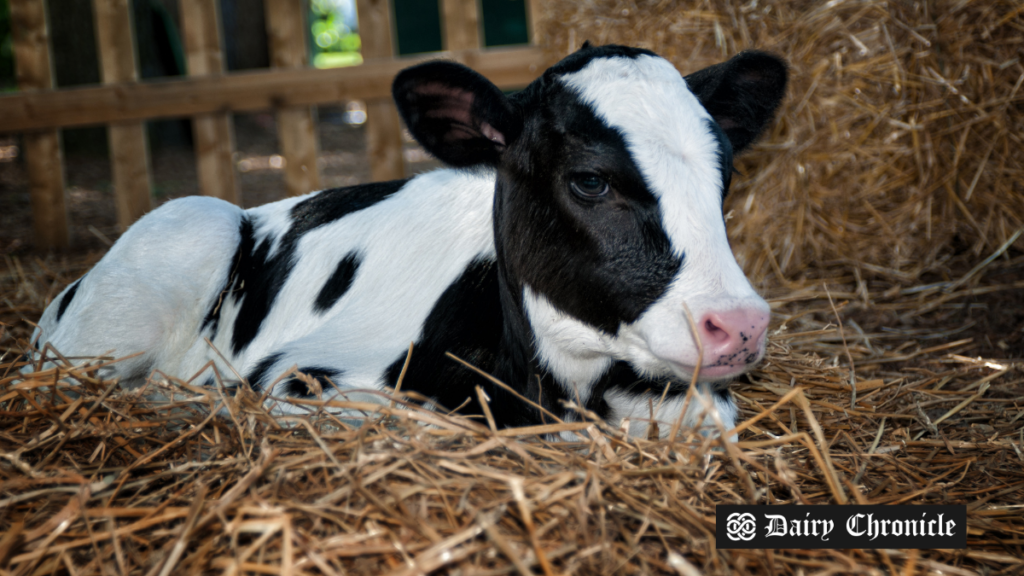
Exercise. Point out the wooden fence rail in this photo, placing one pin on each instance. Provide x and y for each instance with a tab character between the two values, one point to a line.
209	95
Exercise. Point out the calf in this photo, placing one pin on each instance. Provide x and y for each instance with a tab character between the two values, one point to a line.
579	220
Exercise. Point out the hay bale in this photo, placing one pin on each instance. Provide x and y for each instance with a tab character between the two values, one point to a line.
897	150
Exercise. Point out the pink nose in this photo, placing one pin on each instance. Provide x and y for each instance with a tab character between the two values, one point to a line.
734	337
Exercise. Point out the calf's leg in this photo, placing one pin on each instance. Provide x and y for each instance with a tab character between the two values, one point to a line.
149	293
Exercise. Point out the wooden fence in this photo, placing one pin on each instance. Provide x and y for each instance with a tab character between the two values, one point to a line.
208	96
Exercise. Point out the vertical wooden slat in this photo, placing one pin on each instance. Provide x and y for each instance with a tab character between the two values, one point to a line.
211	133
43	158
129	152
461	24
534	17
296	127
45	166
383	127
384	141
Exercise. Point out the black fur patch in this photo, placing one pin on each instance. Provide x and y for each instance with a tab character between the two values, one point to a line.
299	389
741	94
587	53
257	277
68	297
337	284
259	374
475	320
724	155
334	204
622	377
466	321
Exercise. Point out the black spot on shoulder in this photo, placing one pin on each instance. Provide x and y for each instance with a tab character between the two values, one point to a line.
297	388
259	374
466	321
337	284
67	298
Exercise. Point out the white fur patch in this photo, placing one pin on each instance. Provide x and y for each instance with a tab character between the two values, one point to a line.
641	409
574	352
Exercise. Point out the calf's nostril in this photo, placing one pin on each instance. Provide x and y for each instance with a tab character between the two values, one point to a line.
715	332
725	334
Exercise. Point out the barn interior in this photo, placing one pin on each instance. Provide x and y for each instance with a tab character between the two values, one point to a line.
881	215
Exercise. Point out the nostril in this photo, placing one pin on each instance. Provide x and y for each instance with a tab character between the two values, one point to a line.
732	339
715	331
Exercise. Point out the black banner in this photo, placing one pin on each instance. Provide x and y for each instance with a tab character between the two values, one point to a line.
841	527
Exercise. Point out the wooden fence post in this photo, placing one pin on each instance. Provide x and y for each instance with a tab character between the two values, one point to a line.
212	133
43	157
383	127
296	127
534	18
461	24
129	152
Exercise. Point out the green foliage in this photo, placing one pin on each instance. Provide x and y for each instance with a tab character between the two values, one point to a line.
334	42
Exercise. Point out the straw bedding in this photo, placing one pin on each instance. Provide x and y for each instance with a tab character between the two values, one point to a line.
882	218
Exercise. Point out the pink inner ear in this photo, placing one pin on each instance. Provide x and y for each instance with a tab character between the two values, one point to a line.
458	104
492	134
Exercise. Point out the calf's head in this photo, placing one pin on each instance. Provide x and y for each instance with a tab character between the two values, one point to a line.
611	172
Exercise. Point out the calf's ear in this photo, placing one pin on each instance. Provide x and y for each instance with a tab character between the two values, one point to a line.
741	94
456	114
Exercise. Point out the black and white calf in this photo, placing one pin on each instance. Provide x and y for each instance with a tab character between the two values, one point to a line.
579	216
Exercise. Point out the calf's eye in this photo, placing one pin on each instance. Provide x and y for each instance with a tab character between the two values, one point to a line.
589	186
